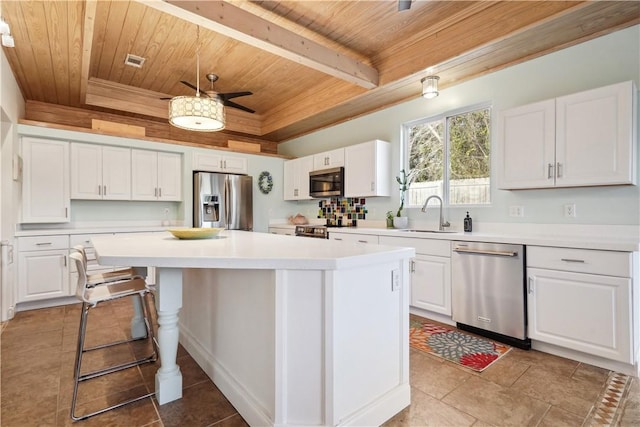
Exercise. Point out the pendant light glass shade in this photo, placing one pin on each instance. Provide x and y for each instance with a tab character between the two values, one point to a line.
201	114
197	113
430	86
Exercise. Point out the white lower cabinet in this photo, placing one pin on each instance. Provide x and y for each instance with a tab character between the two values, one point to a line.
43	267
572	306
353	237
431	283
430	273
286	231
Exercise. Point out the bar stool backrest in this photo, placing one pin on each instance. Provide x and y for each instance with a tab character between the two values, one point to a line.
81	287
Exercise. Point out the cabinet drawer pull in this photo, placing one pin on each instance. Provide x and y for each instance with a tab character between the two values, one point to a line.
572	260
337	238
43	244
362	241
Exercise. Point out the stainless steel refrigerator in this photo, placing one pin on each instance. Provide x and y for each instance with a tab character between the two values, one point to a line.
222	200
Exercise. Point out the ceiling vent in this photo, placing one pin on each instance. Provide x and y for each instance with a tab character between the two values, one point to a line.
134	61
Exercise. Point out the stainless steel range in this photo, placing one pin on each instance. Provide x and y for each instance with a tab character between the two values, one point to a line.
317	231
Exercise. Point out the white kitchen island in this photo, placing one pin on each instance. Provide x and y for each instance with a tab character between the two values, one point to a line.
293	331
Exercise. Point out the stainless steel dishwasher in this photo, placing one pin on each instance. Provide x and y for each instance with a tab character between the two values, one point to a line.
488	290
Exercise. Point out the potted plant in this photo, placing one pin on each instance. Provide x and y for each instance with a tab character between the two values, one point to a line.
404	179
389	219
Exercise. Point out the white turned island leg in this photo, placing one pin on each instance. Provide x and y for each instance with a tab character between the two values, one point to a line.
168	304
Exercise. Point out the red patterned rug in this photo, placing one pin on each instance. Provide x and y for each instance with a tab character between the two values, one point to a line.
454	345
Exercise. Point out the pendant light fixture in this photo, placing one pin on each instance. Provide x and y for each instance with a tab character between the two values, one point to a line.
430	86
197	113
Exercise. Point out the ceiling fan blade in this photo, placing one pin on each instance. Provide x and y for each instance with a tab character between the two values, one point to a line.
186	83
230	95
165	99
404	5
228	103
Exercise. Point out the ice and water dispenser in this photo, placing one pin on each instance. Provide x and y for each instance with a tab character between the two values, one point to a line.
211	208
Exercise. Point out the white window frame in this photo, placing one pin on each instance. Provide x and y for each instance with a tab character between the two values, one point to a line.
446	173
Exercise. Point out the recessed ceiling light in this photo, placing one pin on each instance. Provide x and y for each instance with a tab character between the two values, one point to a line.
134	60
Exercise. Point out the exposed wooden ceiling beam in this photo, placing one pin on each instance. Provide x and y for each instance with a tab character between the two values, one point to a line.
116	96
87	43
234	22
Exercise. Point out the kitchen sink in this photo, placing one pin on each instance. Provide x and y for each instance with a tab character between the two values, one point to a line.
413	230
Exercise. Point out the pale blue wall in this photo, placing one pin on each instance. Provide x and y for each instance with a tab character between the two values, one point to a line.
605	60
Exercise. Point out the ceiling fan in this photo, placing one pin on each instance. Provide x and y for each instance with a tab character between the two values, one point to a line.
224	97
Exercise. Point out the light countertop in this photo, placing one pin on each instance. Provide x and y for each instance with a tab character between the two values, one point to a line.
592	239
240	249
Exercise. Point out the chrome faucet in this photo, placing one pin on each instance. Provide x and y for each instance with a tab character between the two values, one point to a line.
442	223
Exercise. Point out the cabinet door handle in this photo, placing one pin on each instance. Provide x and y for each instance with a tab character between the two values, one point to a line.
373	186
225	164
558	170
412	266
572	260
64	257
155	192
99	190
550	171
43	244
160	192
104	192
221	166
66	212
530	285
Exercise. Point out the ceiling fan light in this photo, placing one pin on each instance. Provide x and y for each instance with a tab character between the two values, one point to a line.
430	86
197	113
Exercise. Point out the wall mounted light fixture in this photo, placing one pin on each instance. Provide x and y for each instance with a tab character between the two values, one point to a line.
430	86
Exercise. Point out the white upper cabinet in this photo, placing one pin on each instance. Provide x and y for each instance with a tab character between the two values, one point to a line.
328	159
216	162
529	144
45	181
595	137
367	170
584	139
156	175
100	172
296	178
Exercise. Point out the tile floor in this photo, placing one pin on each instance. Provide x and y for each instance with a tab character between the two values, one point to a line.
522	388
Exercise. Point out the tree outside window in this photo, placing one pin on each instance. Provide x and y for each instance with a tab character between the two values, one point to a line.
449	156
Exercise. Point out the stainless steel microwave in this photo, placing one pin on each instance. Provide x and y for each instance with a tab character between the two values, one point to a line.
326	183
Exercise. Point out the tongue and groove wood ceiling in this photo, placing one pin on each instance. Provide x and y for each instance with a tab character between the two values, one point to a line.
309	64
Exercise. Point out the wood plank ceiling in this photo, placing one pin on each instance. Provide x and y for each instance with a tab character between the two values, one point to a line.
309	64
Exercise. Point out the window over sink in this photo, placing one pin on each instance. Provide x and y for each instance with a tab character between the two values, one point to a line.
449	155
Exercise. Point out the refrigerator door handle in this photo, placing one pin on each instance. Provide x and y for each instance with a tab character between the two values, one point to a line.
227	210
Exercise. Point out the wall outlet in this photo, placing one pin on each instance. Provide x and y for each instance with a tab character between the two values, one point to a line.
516	211
395	280
570	210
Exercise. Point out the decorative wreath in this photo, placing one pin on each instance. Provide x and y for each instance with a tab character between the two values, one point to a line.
265	182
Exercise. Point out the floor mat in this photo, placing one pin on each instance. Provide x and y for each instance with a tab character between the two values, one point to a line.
454	345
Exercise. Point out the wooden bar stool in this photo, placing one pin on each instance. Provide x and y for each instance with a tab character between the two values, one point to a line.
91	296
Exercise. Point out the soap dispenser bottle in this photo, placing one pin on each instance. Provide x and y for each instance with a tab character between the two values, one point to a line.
467	223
